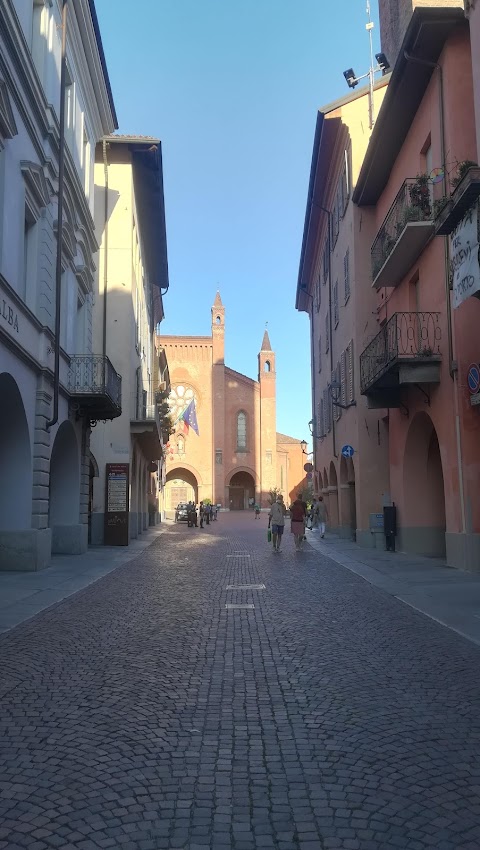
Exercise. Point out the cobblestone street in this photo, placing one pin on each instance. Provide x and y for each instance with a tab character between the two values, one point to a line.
140	713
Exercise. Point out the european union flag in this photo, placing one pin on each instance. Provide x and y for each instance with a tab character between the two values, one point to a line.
189	416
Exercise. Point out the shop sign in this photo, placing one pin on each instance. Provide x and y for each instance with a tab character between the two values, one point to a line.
116	504
8	315
464	258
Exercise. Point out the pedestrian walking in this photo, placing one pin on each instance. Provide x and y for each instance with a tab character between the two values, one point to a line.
298	512
208	510
322	515
201	513
276	520
257	510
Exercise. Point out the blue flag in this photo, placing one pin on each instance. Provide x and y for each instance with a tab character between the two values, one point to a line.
189	416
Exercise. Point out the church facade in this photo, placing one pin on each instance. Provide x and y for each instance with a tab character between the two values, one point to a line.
226	447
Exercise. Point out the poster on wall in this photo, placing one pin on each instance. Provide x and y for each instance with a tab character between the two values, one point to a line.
464	258
116	504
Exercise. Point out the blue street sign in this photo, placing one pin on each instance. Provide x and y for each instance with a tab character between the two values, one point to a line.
348	451
473	378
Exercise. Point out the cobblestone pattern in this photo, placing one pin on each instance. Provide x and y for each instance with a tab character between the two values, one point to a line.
140	714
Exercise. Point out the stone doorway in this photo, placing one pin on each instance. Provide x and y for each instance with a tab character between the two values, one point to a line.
242	488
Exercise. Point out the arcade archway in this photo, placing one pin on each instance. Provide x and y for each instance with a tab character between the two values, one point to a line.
348	506
64	501
423	521
181	486
15	459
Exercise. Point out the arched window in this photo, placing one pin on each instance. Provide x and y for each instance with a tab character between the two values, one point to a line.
242	431
218	320
267	366
180	446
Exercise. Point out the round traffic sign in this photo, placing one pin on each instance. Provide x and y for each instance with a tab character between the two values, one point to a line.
473	378
348	451
308	467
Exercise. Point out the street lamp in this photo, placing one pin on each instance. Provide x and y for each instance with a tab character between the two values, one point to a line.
334	389
304	447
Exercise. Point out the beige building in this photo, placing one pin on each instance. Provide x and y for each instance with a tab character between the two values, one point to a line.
333	287
132	277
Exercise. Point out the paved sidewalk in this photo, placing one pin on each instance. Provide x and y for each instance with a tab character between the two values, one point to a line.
447	595
22	595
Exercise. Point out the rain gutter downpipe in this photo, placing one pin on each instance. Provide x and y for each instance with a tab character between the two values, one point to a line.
58	268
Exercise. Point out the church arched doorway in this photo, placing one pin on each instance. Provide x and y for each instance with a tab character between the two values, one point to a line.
181	486
241	490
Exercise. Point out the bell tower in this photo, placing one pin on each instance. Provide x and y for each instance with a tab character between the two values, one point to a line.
218	330
268	419
218	401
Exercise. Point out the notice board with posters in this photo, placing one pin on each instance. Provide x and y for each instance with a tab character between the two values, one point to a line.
117	504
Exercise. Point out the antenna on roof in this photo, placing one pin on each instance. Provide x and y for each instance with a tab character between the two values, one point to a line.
382	65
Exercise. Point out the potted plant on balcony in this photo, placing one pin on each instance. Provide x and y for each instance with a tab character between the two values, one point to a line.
420	207
462	169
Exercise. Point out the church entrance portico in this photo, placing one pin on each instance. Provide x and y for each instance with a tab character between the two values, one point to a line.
241	489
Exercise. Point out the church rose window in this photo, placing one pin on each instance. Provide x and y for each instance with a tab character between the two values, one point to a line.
242	430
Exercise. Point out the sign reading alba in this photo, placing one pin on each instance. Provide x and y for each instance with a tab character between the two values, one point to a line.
464	258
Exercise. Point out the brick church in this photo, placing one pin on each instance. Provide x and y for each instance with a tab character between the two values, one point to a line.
225	447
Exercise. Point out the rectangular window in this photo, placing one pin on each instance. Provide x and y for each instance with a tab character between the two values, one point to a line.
345	190
318	293
346	274
29	259
320	432
335	304
326	263
269	458
337	411
327	331
218	457
320	353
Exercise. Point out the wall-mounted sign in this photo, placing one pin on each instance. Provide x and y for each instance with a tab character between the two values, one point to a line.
464	258
348	451
308	467
475	399
473	378
9	316
116	504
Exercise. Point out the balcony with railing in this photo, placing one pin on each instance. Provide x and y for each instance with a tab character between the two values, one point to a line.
408	227
146	424
405	351
95	386
463	198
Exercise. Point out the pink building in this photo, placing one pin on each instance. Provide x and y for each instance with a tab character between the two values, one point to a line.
417	186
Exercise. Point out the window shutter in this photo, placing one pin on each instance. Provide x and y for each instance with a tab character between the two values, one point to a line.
327	331
335	304
346	272
350	375
343	377
320	353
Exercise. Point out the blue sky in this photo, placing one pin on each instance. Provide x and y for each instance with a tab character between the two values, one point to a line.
232	89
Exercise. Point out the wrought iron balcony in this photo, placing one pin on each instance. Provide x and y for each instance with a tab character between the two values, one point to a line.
95	385
404	233
405	351
464	196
